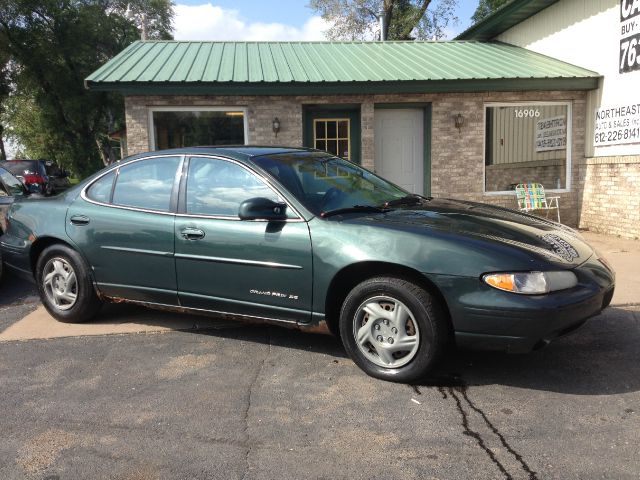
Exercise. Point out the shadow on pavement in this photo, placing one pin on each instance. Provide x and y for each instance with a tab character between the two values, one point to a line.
15	290
602	358
599	359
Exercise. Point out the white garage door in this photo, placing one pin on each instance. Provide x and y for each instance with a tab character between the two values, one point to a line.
399	153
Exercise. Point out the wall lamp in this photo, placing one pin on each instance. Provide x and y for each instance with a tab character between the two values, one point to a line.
275	125
459	121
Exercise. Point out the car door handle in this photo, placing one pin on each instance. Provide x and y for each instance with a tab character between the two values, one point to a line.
80	220
192	233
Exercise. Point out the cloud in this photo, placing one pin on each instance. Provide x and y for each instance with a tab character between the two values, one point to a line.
210	22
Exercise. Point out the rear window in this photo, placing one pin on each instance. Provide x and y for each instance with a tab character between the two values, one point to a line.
22	167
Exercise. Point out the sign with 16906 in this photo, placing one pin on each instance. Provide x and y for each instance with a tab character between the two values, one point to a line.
630	35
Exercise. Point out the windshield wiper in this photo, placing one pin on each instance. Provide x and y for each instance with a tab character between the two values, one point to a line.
354	209
410	199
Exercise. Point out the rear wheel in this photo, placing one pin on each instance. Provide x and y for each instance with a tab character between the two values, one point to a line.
393	329
65	285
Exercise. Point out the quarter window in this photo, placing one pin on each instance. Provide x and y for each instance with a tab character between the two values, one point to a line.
14	186
146	184
100	190
218	187
527	143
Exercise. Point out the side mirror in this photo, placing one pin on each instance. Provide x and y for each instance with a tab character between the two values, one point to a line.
262	209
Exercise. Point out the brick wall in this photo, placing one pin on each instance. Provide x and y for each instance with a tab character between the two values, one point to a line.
457	156
609	195
261	112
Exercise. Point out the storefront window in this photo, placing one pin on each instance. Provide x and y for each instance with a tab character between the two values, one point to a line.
175	129
527	143
332	135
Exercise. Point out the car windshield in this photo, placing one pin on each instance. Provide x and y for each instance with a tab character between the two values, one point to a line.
22	167
324	183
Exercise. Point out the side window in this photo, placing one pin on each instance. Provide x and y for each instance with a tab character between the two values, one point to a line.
100	191
218	187
146	184
14	185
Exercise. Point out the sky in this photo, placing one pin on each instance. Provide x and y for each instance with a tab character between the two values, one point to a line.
266	20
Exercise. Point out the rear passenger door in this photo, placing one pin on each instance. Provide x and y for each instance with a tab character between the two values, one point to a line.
124	225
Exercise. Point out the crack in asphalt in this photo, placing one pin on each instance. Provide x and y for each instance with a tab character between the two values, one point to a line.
246	412
532	474
473	434
458	391
460	396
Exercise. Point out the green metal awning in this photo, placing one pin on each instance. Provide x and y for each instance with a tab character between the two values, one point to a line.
510	14
299	68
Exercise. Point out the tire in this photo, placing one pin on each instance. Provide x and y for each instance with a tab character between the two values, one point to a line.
385	347
68	298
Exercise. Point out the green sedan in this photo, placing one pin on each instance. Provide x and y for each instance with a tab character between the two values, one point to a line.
299	238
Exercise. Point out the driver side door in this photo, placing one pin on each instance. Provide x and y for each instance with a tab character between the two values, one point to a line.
253	268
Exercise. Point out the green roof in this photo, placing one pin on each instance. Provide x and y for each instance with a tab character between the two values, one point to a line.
332	67
510	14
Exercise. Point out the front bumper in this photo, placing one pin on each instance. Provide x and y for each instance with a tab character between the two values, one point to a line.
488	319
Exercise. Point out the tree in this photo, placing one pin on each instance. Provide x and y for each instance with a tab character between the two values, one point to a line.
5	89
53	45
486	8
404	19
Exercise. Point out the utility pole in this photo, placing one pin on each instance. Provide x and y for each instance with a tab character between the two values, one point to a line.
140	19
143	27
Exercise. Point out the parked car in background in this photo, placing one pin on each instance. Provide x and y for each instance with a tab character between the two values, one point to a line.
10	189
39	176
303	239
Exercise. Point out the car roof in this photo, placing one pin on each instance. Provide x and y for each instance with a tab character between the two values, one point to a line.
238	152
17	160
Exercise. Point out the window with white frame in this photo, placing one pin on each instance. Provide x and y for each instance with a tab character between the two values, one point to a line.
191	126
527	143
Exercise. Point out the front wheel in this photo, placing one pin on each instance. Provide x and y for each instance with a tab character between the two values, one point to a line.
65	285
393	329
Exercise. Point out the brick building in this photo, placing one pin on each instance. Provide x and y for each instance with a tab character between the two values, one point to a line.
603	36
463	119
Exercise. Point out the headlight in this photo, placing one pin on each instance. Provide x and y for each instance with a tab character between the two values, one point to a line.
531	283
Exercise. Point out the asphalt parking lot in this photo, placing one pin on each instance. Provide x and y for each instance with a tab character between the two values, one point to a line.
186	397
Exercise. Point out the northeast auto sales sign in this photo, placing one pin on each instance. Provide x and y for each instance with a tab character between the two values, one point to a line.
630	35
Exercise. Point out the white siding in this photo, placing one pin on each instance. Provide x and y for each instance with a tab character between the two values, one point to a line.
585	33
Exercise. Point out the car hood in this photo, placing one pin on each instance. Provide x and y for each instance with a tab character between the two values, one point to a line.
550	240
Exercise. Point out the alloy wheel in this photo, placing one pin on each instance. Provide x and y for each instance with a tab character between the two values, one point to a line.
386	332
60	283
